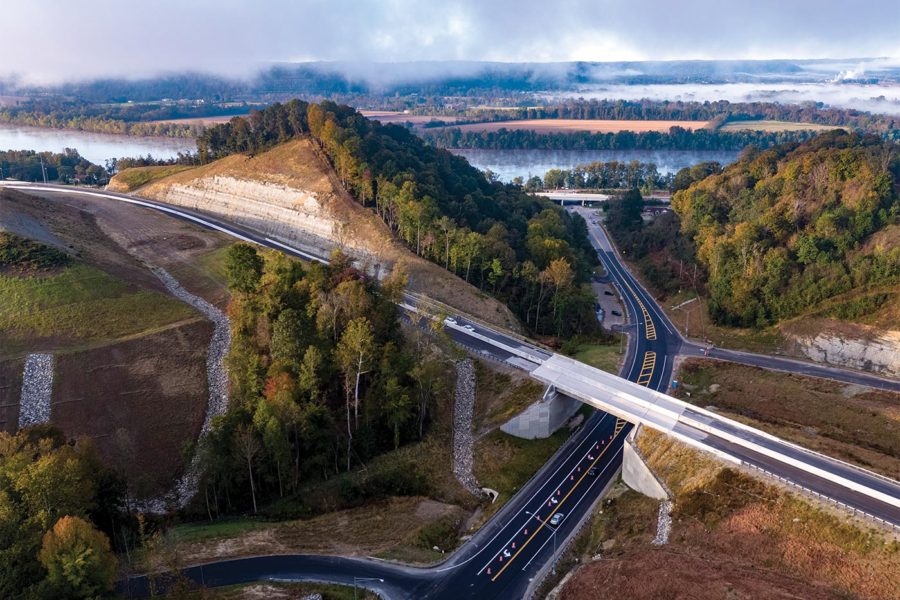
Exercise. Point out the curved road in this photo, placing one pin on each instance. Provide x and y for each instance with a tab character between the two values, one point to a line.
502	559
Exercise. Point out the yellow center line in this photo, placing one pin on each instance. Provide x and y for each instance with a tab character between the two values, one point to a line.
558	506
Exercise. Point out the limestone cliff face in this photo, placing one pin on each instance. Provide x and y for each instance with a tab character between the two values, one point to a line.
290	195
879	353
287	213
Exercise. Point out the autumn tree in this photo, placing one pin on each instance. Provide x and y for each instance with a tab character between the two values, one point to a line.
78	559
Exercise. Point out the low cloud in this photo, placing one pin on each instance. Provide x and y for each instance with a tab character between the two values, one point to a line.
48	41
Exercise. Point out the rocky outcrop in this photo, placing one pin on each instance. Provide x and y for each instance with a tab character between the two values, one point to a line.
291	214
878	354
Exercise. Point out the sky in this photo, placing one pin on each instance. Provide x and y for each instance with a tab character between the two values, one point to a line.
48	41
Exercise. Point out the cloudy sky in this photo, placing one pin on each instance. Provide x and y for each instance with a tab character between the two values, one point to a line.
53	40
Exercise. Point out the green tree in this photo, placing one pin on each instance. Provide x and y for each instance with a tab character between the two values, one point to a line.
243	266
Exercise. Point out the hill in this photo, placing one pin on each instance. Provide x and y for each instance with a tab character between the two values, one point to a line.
787	230
290	193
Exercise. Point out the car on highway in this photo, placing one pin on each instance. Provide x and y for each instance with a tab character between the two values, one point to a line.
556	519
592	472
450	321
468	327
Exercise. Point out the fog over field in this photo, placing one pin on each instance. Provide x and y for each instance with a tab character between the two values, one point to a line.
881	98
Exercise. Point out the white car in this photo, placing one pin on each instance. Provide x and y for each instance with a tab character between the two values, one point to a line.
556	519
468	327
450	321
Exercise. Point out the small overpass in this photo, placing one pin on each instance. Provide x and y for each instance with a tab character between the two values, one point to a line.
564	197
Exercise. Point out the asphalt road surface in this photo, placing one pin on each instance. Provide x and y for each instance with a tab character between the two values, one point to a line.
501	560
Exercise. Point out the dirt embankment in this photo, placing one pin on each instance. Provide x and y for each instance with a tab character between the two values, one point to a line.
290	193
734	537
140	400
142	395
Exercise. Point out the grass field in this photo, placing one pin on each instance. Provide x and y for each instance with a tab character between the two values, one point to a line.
855	424
765	125
81	302
131	179
604	357
590	125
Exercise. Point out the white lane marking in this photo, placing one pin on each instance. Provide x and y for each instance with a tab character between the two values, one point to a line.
555	487
583	496
525	504
662	374
297	251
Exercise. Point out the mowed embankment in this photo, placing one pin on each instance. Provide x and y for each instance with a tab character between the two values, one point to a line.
130	368
289	193
578	125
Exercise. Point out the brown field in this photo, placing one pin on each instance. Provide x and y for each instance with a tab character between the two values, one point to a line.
590	125
390	116
764	125
139	400
852	423
733	536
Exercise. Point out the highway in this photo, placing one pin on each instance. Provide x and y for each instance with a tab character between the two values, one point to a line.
634	295
506	554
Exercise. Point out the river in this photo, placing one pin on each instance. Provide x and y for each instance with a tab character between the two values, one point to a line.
96	147
508	164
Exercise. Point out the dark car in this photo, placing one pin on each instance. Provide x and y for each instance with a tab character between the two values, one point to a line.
607	293
616	313
592	471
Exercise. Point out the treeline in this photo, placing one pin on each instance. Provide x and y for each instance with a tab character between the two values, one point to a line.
66	167
784	229
322	380
530	254
59	509
676	110
676	138
605	176
118	117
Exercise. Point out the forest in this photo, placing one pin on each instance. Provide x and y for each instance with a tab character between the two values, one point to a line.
784	229
65	167
322	380
522	249
677	138
59	509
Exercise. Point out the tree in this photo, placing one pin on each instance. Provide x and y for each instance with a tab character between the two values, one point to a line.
355	352
243	267
78	559
247	447
398	407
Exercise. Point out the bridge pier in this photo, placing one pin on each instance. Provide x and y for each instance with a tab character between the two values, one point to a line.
544	417
635	472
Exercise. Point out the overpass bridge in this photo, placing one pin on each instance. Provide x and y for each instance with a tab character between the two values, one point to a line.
858	489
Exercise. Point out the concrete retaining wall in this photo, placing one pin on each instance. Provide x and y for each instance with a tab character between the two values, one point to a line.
637	475
543	418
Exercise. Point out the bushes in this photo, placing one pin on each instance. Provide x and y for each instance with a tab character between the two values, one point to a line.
25	254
